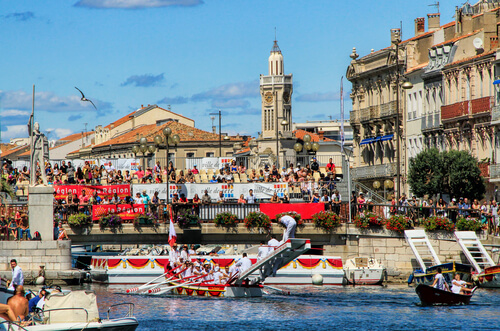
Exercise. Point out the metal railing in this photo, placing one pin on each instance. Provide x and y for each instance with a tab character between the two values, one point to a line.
375	171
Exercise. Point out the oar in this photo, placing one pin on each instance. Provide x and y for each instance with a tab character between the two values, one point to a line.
145	286
278	290
181	285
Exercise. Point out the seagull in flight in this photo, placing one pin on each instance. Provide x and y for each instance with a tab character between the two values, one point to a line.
85	99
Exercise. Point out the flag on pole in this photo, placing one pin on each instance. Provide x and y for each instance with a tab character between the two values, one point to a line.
342	137
172	236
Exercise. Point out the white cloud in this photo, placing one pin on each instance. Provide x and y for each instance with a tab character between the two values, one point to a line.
15	131
48	101
136	4
61	132
14	112
230	91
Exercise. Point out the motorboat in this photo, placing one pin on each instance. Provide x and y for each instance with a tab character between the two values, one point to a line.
75	310
364	271
430	296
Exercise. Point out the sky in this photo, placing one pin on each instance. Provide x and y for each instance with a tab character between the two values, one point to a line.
196	56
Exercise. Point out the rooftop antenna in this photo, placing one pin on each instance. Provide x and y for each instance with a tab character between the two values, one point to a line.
436	5
274	33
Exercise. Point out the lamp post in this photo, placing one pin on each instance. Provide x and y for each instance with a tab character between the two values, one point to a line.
308	146
169	140
406	85
283	124
220	134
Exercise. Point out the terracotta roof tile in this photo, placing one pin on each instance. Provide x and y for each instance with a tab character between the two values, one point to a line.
127	117
471	58
16	149
420	66
185	132
299	134
457	38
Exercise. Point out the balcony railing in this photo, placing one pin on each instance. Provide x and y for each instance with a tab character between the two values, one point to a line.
495	113
354	116
494	171
455	110
269	80
482	105
376	171
388	109
369	113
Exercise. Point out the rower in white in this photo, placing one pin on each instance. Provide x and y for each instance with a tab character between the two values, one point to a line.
244	263
291	225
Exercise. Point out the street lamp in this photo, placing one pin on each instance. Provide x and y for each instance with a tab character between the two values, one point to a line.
169	140
283	124
406	85
308	146
220	134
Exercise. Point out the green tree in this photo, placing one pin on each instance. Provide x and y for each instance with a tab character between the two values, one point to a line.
5	188
463	176
425	173
454	172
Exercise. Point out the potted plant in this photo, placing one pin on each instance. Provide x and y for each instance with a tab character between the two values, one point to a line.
398	223
186	219
145	220
470	224
114	222
258	220
226	220
326	220
364	221
80	223
296	216
435	223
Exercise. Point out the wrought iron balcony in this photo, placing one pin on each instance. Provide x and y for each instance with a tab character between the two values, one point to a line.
495	113
495	171
375	171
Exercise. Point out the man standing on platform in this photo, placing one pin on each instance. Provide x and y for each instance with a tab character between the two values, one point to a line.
250	197
244	263
290	225
272	244
263	251
17	275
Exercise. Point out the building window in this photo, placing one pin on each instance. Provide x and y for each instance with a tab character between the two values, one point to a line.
209	154
189	154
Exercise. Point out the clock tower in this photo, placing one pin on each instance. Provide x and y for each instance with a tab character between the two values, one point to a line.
276	92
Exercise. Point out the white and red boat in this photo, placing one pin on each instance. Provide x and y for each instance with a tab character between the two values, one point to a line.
364	271
141	269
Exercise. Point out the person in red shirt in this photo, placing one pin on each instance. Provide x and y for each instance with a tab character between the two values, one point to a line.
195	170
139	173
84	201
330	167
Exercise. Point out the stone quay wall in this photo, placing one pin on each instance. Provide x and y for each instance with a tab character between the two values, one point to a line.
30	255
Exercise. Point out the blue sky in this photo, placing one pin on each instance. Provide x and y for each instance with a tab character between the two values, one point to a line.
195	55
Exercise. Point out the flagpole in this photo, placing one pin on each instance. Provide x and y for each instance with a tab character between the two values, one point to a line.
30	133
342	139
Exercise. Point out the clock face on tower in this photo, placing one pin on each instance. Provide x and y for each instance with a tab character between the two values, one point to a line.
268	97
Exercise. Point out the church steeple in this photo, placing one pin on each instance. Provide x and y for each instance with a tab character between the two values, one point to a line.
276	67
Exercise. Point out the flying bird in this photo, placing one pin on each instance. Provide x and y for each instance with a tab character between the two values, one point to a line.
85	99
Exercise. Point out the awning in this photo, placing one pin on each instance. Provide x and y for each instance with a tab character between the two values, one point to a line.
496	82
366	141
386	138
377	139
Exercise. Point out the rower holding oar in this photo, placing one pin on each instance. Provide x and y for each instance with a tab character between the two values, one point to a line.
439	281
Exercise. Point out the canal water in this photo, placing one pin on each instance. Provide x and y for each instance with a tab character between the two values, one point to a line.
308	308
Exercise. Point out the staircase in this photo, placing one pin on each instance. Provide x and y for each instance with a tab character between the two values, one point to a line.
268	266
422	249
474	250
369	193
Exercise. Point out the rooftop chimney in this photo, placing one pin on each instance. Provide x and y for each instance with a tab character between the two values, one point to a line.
419	26
433	21
395	36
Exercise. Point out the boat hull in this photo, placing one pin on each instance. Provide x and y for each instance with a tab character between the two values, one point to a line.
490	278
119	324
131	270
448	269
364	276
430	296
206	290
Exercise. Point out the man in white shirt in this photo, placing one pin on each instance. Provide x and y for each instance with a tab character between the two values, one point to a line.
283	172
244	263
250	197
17	275
173	256
458	286
291	225
263	251
439	281
217	275
272	244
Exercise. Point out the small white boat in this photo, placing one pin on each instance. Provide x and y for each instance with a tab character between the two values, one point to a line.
75	310
364	271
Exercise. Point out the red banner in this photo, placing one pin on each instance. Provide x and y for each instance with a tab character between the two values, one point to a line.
126	212
306	210
122	190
